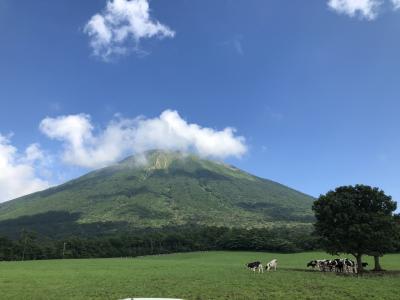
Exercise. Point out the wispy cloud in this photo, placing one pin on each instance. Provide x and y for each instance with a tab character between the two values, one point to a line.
364	9
273	115
120	27
18	174
396	4
235	43
87	147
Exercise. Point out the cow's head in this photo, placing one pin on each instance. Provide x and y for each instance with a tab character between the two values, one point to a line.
312	263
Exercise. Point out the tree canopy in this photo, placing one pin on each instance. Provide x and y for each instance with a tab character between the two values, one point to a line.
357	220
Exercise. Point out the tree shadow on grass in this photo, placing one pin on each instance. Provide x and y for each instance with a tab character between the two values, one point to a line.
394	273
366	273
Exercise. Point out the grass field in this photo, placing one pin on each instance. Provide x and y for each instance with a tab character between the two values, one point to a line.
201	275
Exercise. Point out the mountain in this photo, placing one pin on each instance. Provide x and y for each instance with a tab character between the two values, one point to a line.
157	189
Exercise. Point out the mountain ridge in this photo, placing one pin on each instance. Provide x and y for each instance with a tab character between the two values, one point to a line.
162	188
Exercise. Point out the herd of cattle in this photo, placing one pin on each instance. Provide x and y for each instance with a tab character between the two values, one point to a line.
339	265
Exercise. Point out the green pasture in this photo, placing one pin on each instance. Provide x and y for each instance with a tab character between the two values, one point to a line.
199	275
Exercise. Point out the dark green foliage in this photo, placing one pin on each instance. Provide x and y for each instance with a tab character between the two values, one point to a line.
357	220
169	189
158	241
397	233
58	224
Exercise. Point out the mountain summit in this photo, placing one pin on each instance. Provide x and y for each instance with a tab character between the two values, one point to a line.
162	188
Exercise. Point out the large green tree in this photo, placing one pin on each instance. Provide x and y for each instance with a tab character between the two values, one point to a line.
357	220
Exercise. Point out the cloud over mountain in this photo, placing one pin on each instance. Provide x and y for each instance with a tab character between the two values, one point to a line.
85	146
120	27
18	174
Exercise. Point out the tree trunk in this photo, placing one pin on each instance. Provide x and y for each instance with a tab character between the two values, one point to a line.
377	264
359	263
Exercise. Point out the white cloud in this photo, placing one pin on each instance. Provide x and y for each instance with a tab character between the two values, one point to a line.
34	153
396	4
120	27
81	146
171	132
366	9
17	171
86	147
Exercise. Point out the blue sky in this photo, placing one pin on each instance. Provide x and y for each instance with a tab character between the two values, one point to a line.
311	86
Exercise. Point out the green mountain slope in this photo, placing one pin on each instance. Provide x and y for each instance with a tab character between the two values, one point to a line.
168	188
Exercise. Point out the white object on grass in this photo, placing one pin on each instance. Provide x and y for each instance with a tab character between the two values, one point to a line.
150	299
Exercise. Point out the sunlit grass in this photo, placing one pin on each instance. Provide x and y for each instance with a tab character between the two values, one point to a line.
200	275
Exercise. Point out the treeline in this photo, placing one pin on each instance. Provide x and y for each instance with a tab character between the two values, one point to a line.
30	246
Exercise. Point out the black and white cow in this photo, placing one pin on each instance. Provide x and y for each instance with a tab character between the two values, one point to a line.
350	266
337	265
312	264
256	265
321	264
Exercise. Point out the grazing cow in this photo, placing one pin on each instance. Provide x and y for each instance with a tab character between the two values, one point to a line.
256	265
272	264
325	265
318	263
321	264
337	265
312	263
350	266
330	265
